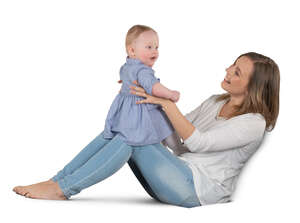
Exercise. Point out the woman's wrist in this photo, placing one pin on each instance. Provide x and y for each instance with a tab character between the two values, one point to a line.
183	127
166	103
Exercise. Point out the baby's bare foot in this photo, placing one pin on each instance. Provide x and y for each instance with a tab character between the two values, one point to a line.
45	190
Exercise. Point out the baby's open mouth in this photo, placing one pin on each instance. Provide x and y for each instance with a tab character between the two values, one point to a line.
153	58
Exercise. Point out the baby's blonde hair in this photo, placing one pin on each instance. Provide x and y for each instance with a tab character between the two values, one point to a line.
134	32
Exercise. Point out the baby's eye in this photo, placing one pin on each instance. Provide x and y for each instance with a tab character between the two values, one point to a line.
236	73
149	47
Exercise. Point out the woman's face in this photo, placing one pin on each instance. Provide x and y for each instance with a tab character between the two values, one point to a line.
237	77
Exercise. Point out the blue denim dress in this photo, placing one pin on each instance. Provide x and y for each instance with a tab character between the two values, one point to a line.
137	124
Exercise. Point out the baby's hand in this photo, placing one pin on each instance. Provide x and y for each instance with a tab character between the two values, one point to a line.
175	96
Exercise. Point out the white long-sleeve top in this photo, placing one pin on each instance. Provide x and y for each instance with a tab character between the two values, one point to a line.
218	149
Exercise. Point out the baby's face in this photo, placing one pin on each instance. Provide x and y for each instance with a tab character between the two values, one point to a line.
145	48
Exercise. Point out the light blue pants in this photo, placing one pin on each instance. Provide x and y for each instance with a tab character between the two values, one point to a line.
165	177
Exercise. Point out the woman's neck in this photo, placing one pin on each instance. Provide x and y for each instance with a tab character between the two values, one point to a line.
235	101
229	108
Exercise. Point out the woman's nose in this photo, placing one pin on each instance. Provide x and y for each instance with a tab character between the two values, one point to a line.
229	70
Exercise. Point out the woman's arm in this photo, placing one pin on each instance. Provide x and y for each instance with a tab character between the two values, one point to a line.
183	127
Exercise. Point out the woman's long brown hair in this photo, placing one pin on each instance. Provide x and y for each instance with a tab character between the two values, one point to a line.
263	90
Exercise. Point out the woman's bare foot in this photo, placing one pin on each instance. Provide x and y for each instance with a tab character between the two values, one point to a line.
45	190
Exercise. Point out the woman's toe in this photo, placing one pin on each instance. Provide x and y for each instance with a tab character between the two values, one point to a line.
23	191
18	189
15	189
28	195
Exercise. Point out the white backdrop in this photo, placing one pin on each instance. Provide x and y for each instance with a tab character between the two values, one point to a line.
59	64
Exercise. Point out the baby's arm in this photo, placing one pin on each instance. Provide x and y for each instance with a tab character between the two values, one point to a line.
146	78
161	91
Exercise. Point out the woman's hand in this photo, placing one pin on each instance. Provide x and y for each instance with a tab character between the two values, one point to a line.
139	91
183	126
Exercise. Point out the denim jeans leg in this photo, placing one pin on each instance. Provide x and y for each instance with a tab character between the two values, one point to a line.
138	174
103	164
169	177
84	155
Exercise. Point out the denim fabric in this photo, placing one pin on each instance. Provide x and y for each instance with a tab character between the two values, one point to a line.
165	177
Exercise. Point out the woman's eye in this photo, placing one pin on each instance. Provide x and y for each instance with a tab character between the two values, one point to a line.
148	47
236	73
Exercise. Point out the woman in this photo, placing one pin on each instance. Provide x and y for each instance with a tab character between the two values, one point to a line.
218	138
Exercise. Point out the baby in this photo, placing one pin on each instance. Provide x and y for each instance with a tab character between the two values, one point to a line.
139	124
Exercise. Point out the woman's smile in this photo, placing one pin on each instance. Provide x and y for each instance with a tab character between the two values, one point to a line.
227	81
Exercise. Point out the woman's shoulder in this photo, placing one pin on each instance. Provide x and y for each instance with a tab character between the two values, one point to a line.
211	101
251	117
214	97
207	106
252	122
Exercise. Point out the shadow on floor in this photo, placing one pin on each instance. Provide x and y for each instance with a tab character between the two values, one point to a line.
119	200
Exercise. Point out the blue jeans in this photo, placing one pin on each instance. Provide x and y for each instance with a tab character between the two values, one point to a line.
165	177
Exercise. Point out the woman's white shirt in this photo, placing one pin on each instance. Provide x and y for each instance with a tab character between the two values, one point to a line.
218	149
